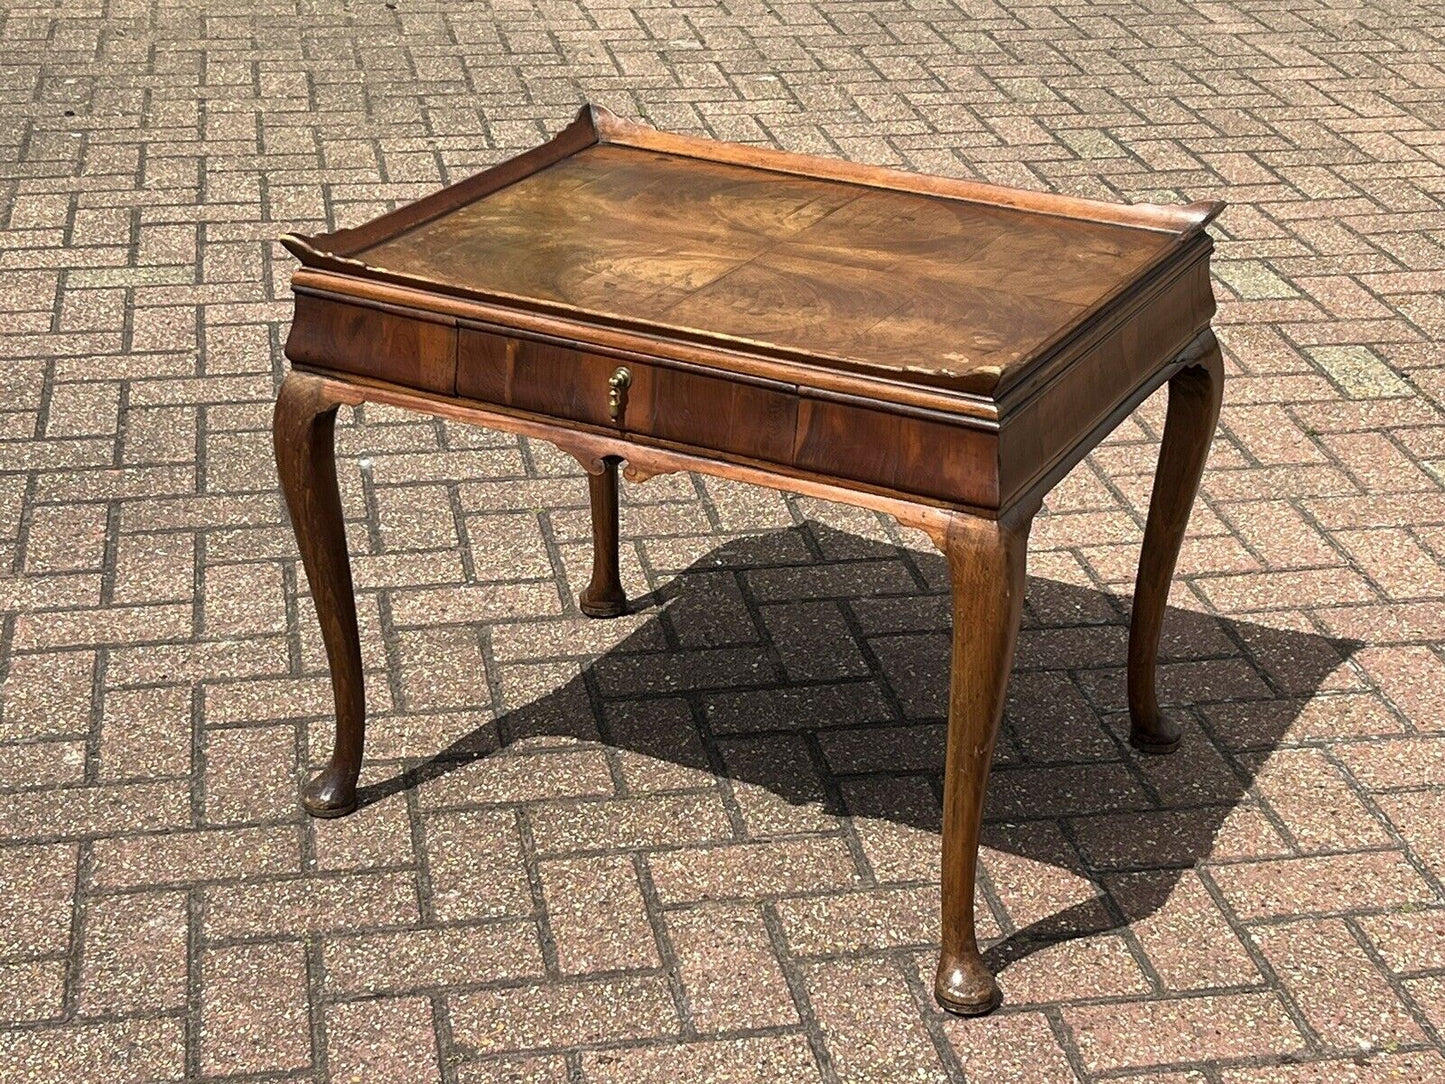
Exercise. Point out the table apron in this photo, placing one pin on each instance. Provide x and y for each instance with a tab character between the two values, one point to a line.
915	454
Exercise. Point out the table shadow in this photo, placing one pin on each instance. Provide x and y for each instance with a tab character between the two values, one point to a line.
814	663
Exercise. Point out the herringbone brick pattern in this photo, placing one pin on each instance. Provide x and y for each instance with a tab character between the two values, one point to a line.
700	842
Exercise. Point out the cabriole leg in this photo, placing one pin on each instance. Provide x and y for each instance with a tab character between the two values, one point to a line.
986	559
303	428
1194	397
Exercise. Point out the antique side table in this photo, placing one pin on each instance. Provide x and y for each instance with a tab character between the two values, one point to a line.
939	350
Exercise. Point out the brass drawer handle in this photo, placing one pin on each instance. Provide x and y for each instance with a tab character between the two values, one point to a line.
616	389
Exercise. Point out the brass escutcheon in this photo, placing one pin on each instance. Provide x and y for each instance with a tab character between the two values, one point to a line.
616	386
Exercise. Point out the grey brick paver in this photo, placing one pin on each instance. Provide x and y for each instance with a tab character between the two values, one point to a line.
700	842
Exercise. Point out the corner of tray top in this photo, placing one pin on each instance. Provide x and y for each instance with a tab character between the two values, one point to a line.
1184	219
1201	213
316	252
338	250
303	247
608	127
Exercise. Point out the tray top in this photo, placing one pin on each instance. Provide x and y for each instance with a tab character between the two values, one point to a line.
959	292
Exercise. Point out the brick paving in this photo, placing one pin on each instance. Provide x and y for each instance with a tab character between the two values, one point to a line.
700	841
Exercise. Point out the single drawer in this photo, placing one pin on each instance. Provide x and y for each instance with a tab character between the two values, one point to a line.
402	346
538	377
903	452
715	413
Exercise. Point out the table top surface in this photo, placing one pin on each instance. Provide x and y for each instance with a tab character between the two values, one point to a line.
961	292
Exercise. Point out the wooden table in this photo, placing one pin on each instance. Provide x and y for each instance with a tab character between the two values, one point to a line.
939	350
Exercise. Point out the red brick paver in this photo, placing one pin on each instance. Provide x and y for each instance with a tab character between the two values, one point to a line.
700	842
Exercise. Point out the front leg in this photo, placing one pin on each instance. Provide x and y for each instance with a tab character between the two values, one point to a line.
1194	397
303	430
604	597
986	559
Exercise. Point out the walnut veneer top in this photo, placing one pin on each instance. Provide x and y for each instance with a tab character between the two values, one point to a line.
954	291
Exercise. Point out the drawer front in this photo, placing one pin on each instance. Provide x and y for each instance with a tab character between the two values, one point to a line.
752	420
706	412
899	452
416	351
541	378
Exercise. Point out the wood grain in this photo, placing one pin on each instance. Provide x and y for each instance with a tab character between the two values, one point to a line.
404	346
1182	220
887	280
924	457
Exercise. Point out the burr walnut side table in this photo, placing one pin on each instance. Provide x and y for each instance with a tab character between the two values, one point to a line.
939	350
